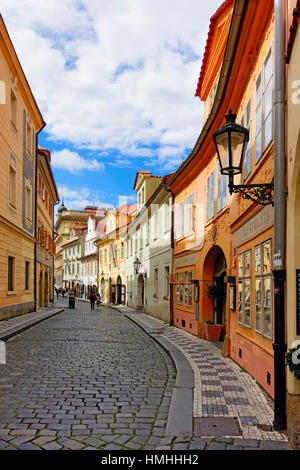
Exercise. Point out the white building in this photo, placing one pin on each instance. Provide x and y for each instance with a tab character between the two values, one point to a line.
72	251
149	244
89	259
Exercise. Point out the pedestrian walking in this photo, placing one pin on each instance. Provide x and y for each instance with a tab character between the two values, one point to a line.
93	300
57	292
98	301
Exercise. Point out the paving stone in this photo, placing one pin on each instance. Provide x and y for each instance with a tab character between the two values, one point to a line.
273	445
29	446
51	446
73	445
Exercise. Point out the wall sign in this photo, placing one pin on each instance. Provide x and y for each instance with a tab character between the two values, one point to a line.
298	302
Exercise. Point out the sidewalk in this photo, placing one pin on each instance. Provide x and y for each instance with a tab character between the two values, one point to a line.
220	387
15	325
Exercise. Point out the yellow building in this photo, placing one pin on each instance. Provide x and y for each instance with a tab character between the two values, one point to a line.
20	123
47	196
112	255
65	219
293	215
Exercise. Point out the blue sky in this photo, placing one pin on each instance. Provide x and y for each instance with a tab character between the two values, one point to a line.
115	81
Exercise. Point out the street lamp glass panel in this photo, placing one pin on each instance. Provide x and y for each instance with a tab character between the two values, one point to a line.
223	153
237	150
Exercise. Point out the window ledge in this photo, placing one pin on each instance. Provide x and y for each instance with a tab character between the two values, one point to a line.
11	292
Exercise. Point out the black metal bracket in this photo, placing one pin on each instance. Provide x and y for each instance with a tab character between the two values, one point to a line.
259	193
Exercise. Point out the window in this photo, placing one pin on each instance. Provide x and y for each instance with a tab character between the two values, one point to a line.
29	139
180	220
122	250
188	289
27	267
179	288
263	288
13	108
222	190
105	256
247	122
155	283
264	106
11	274
210	197
166	281
28	202
12	186
189	213
167	211
244	289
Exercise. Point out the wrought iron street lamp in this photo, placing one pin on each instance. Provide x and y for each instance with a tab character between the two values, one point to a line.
137	265
231	143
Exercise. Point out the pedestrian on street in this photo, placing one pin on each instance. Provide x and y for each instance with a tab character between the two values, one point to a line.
57	292
98	301
63	292
93	300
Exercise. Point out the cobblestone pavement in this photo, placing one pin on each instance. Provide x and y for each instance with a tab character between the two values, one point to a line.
87	380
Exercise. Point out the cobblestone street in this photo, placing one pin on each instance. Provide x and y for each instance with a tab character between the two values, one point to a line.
85	380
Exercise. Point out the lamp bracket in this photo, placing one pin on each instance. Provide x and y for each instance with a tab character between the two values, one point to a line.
258	193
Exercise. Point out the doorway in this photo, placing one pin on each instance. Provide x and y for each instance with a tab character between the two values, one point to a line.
140	292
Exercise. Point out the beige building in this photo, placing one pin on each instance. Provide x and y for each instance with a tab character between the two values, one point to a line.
20	123
47	197
293	216
112	255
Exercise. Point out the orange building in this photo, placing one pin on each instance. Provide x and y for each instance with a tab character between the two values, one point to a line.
47	196
223	249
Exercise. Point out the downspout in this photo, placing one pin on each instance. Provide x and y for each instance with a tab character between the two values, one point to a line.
35	217
172	252
279	270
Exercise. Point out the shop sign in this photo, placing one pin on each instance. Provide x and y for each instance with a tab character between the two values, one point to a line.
254	226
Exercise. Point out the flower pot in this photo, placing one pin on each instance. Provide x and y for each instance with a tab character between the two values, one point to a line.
212	332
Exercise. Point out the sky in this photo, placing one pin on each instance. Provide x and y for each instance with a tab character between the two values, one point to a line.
115	81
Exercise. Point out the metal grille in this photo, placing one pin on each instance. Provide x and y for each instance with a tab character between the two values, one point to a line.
216	426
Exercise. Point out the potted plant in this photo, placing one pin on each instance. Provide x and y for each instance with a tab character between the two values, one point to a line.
212	331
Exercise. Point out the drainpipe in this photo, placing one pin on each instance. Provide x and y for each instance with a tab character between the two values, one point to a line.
279	271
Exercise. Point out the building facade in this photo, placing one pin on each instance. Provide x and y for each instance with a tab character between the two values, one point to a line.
112	255
21	121
149	245
47	197
219	237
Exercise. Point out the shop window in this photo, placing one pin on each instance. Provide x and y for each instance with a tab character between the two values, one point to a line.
179	287
244	289
263	289
264	107
210	196
188	289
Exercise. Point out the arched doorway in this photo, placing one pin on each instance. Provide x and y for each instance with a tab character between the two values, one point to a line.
140	292
119	290
41	290
215	290
46	290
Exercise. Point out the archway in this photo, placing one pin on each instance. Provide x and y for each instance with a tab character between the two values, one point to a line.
140	292
41	290
102	290
119	290
215	290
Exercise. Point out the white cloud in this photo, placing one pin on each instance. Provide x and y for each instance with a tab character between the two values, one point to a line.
80	197
73	162
115	75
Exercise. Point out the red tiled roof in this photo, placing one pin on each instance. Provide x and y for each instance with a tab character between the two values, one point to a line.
213	21
167	177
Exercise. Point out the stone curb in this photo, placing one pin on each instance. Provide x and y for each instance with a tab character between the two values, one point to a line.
14	330
180	419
